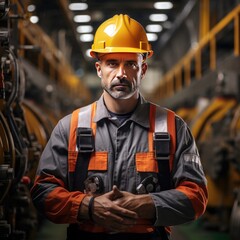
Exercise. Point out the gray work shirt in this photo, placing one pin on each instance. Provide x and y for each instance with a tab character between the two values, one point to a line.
122	142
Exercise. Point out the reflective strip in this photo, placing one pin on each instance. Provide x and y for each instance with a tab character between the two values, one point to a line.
158	123
72	153
161	124
162	120
94	125
86	114
85	117
152	114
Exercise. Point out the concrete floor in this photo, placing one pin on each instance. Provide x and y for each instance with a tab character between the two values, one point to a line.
51	231
192	231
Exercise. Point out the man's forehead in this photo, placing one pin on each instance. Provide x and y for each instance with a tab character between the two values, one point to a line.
121	56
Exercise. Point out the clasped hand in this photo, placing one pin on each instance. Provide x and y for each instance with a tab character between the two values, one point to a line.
108	212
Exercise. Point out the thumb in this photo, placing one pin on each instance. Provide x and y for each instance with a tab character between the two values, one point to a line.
116	193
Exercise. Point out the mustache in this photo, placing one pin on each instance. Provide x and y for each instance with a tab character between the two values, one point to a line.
120	81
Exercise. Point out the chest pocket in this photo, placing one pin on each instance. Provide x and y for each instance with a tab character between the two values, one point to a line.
98	161
146	162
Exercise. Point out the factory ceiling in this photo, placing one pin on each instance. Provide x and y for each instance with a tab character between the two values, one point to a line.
57	20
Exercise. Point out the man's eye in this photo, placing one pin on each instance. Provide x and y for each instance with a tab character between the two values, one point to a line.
112	64
132	65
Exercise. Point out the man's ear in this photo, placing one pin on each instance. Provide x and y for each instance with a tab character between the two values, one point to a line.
98	68
144	69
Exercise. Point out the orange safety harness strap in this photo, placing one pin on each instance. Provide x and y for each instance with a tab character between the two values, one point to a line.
72	153
81	140
162	139
166	138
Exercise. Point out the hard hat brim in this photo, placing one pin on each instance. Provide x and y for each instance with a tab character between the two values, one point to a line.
120	50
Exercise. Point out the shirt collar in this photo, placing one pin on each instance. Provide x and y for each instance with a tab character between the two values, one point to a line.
101	111
140	115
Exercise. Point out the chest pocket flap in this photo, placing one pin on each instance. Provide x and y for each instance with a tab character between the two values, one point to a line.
146	162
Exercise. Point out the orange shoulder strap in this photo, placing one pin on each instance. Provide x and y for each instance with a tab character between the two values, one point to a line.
162	120
86	113
172	131
72	152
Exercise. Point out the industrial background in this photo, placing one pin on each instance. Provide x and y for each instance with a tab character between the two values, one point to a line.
46	72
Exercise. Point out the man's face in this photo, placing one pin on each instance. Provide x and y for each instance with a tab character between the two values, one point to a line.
121	73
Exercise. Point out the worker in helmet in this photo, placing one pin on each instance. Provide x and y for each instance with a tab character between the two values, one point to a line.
121	167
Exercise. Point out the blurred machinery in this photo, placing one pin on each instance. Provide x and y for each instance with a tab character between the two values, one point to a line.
20	147
204	88
25	124
216	130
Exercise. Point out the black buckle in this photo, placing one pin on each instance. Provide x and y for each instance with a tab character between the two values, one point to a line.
162	145
85	141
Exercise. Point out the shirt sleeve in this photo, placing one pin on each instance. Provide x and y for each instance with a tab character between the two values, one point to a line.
50	193
188	198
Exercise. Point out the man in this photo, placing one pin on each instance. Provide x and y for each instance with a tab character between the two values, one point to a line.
120	167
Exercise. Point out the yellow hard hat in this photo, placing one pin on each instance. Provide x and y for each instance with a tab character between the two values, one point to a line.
121	34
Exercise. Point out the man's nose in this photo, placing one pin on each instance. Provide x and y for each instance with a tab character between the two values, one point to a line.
121	72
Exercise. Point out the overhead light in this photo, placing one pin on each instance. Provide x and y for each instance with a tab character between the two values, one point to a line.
84	29
78	6
152	37
88	52
34	19
49	88
158	17
82	18
86	37
31	8
163	5
154	28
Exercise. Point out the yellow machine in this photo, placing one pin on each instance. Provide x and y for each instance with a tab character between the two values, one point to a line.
212	130
235	215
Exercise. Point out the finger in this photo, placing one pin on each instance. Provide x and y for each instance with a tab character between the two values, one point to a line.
123	212
113	222
115	193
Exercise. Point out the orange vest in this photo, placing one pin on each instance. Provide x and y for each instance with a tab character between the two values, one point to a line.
145	161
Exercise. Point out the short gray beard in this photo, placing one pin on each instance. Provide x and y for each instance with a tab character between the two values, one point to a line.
120	94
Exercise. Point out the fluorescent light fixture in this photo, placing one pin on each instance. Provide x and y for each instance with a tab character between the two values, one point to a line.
78	6
88	52
49	88
158	17
152	37
31	8
82	18
163	5
86	37
84	29
34	19
154	28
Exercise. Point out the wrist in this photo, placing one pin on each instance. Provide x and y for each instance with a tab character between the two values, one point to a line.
83	213
146	206
90	208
